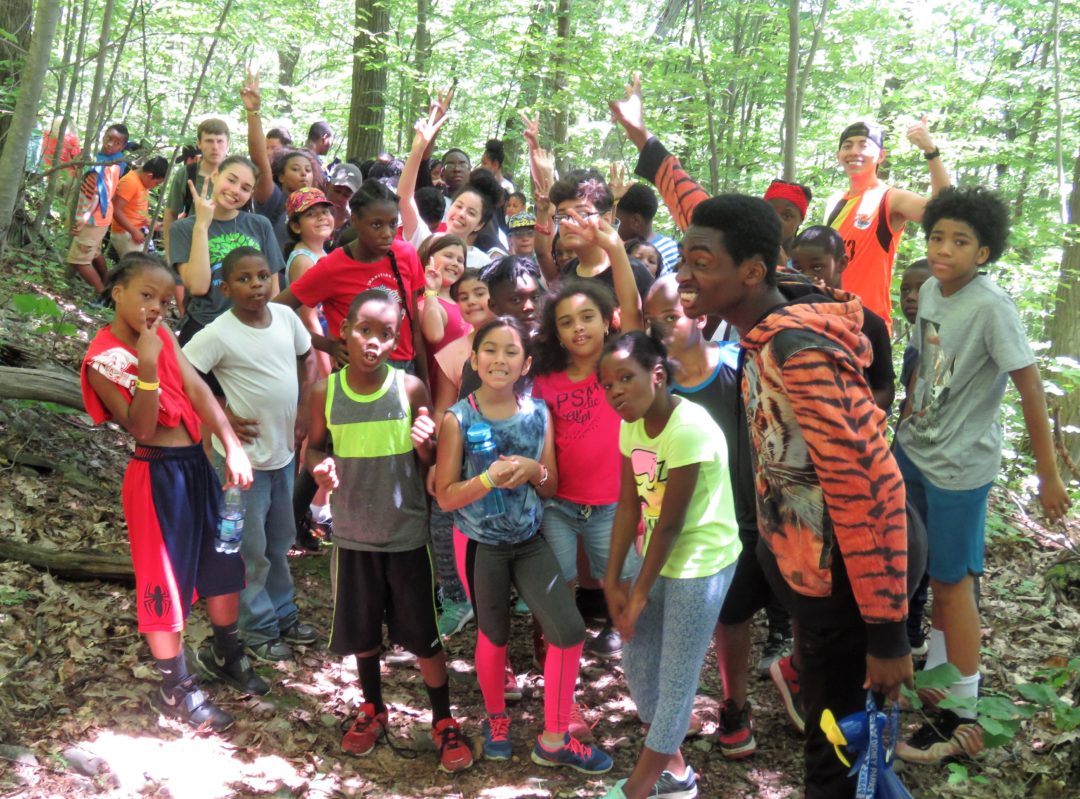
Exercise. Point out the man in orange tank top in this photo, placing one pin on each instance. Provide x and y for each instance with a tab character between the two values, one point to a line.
871	215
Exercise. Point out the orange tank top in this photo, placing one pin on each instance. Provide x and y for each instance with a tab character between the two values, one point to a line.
862	220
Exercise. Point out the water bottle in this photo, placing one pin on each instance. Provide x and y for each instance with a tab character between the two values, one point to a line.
480	447
231	528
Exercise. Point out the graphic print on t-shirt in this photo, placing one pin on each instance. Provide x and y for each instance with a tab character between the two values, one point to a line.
650	475
935	372
579	406
220	246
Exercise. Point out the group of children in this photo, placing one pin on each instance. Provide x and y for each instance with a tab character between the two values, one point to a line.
501	409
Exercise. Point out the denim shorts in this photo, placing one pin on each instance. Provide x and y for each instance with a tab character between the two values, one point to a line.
564	522
955	523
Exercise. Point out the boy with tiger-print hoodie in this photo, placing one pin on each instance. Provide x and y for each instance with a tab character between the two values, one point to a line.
830	498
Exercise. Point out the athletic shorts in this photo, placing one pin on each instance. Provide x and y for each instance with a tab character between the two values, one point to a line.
172	504
955	523
397	588
86	245
749	591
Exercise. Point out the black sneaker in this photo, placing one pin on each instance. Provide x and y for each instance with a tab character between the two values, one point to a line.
736	732
776	646
607	644
274	651
238	672
191	706
943	741
668	787
300	633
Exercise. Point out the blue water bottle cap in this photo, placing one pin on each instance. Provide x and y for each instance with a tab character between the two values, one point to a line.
478	433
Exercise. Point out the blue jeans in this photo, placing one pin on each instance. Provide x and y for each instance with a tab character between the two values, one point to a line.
564	522
267	603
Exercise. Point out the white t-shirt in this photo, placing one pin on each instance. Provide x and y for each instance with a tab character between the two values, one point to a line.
257	370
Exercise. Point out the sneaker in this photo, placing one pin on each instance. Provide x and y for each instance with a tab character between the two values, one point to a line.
511	686
497	737
787	682
238	673
300	633
309	535
607	644
271	651
521	608
776	646
396	656
365	731
191	706
454	617
943	741
670	787
579	728
454	751
616	791
573	754
736	731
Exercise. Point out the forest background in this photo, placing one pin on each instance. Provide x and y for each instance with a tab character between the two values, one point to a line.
742	92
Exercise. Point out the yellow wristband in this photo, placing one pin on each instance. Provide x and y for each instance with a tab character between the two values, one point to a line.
486	481
147	386
430	293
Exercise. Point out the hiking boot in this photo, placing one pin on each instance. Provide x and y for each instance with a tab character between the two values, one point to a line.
191	706
454	751
579	728
300	633
366	730
943	741
497	737
607	644
572	754
786	680
736	731
454	617
271	651
237	672
776	646
511	686
670	787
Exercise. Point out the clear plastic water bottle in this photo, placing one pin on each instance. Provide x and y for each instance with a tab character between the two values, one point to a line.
481	450
231	528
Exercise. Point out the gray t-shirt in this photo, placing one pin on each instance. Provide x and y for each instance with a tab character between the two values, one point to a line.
175	199
967	344
245	230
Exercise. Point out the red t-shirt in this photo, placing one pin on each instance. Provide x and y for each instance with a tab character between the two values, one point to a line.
119	364
586	438
336	279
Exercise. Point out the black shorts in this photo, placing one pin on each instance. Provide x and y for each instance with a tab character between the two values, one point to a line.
395	587
749	591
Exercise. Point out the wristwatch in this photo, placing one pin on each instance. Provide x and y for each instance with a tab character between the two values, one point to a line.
930	156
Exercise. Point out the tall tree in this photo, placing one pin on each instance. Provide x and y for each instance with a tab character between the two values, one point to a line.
368	106
1065	324
13	156
15	17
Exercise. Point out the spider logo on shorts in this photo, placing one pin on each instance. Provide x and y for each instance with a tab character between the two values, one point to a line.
156	600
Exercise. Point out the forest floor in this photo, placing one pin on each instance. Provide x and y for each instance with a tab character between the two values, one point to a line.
75	677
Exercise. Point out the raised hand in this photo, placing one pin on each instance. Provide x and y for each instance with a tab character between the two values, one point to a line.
250	94
629	112
617	181
542	165
427	129
442	101
204	204
593	229
531	131
919	135
432	276
148	346
423	428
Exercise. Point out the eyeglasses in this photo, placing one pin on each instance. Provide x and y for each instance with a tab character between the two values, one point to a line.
581	214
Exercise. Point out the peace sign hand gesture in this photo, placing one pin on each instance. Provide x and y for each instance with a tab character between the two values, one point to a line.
250	92
531	131
204	204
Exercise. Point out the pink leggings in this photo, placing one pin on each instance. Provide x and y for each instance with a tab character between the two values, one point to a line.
487	572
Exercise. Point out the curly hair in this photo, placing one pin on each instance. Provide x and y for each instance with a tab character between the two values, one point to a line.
549	355
584	184
980	209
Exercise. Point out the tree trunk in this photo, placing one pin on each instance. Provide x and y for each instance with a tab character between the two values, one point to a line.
32	81
97	101
714	164
288	58
79	564
556	82
1065	328
422	55
368	106
44	385
791	99
15	17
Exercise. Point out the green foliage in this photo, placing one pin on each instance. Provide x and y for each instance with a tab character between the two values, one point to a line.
48	314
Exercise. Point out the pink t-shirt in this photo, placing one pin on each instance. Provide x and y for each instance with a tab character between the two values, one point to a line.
586	438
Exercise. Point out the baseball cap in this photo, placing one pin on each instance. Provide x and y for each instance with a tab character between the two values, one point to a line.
873	132
303	199
525	222
346	175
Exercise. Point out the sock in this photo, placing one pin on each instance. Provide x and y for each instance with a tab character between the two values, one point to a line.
560	675
371	681
965	688
173	671
440	701
935	653
227	641
320	514
491	674
680	777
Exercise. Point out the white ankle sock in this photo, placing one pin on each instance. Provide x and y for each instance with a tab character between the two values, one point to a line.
935	653
320	514
965	688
